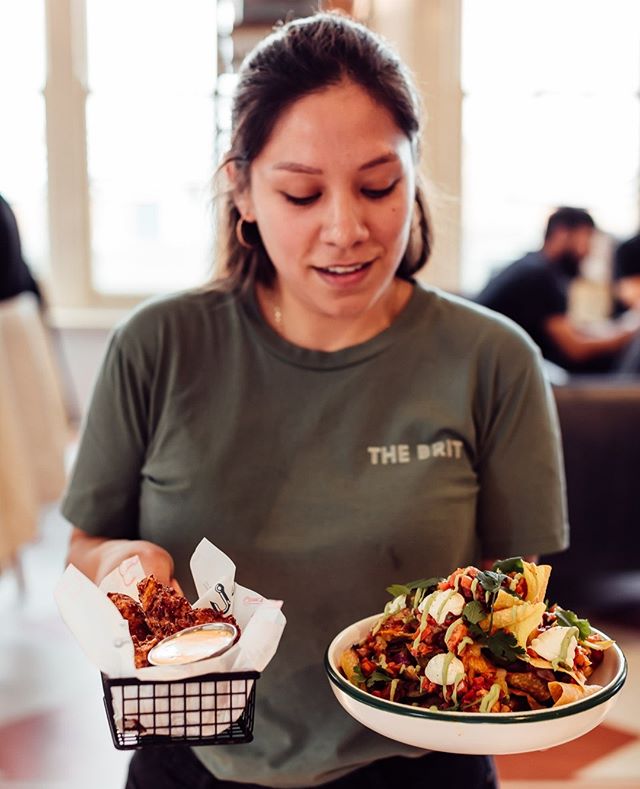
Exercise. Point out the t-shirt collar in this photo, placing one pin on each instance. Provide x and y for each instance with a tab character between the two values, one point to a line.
325	360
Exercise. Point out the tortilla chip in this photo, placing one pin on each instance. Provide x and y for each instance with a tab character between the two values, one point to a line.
521	620
533	704
598	645
566	692
506	600
475	662
538	662
348	663
530	683
537	578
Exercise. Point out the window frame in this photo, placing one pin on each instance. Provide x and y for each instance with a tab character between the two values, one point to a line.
74	300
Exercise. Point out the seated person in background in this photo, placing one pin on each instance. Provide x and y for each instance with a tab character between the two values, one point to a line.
533	292
626	274
15	277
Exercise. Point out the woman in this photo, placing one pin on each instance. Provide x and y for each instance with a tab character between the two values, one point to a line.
329	424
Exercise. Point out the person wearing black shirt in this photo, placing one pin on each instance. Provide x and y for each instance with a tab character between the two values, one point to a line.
626	274
533	292
15	277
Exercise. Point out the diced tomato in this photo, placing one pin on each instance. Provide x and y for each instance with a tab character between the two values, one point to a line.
367	666
469	697
581	658
460	632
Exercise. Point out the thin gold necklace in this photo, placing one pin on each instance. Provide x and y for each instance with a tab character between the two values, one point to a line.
272	306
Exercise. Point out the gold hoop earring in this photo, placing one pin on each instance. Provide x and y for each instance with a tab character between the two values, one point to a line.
240	234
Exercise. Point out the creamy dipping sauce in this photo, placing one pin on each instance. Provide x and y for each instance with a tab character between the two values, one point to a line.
192	644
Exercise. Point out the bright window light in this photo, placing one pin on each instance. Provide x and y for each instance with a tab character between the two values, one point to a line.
151	142
551	116
23	152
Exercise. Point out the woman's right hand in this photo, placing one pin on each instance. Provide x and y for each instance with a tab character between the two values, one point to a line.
96	557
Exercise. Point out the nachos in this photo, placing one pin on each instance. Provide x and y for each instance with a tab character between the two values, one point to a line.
477	641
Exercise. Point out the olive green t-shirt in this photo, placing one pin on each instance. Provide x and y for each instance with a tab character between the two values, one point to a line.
325	476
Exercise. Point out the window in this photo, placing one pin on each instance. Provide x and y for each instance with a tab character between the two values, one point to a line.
112	184
120	157
23	152
151	143
551	116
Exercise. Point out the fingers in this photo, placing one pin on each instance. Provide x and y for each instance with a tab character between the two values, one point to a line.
109	554
175	585
159	563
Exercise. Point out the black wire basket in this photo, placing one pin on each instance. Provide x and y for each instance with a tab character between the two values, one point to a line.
213	709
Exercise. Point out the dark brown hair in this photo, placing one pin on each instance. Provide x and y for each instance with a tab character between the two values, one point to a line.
302	57
568	218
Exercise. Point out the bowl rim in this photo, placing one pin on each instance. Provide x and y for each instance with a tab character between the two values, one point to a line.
526	716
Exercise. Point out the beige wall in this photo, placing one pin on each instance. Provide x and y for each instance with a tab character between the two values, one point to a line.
427	35
78	353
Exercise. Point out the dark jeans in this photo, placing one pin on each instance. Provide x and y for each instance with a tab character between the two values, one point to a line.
179	768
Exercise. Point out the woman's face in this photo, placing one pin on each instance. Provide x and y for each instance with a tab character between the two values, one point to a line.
333	193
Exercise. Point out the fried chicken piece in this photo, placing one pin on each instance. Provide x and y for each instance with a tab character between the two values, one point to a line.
204	616
133	613
141	651
166	610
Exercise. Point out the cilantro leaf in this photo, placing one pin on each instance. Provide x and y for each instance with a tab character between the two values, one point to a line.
503	646
474	612
477	633
358	675
424	583
512	565
570	619
378	676
491	581
395	590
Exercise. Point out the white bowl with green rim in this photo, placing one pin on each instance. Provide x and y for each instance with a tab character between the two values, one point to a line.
474	732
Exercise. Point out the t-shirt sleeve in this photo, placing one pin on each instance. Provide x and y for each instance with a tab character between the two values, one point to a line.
102	497
522	500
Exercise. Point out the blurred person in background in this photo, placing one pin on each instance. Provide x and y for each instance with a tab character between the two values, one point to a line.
534	292
626	274
626	292
16	279
15	276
